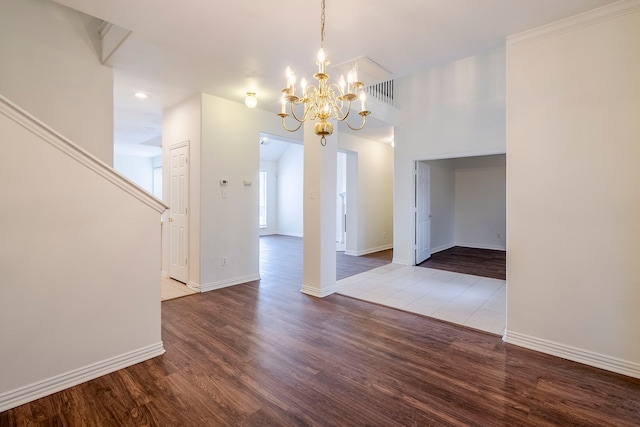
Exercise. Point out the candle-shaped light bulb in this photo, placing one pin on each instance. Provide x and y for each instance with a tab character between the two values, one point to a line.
349	81
303	85
321	60
284	105
363	98
354	73
292	83
288	73
342	83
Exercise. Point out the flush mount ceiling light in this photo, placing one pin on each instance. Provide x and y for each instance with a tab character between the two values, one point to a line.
251	101
326	101
141	95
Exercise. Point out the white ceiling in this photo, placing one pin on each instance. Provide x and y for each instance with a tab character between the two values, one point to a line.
273	147
227	48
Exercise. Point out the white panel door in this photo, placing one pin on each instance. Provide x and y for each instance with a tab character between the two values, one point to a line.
178	212
422	211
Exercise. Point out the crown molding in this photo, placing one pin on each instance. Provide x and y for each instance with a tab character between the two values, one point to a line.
575	22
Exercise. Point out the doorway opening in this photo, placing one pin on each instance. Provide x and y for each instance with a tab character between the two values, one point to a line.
282	171
461	203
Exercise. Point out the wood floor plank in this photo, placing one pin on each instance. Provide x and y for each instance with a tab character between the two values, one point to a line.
263	353
479	262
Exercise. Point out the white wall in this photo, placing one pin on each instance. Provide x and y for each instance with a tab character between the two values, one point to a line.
227	146
572	198
480	202
371	201
229	227
137	168
181	123
50	68
443	204
79	267
454	110
271	168
290	192
224	144
468	202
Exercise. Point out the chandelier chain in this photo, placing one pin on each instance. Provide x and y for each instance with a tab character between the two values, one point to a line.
322	26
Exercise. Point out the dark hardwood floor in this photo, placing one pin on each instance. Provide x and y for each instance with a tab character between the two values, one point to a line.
479	262
264	354
275	247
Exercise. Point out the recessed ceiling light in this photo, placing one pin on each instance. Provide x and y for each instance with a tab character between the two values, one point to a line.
141	95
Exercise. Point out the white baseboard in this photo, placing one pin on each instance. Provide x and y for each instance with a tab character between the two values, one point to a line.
597	360
480	246
315	292
402	261
43	388
370	250
227	282
164	274
442	248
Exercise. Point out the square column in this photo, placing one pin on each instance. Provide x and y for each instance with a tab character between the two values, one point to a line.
319	206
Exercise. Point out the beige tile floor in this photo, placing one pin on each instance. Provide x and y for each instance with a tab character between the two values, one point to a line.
171	289
474	301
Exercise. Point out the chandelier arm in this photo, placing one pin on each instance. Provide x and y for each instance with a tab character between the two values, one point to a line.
284	125
304	115
364	120
345	114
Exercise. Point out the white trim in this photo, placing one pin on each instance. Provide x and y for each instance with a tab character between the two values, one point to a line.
43	388
402	261
443	248
104	28
315	292
193	285
164	274
480	246
77	153
180	144
461	155
227	282
572	353
370	250
575	22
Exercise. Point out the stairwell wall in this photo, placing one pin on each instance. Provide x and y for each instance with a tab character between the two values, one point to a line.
79	258
50	67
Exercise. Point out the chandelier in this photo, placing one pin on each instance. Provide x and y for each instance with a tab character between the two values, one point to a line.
324	101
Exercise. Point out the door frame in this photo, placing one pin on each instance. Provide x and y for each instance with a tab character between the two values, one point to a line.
415	210
187	214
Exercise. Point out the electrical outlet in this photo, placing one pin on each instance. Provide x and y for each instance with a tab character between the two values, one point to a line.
224	261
